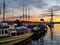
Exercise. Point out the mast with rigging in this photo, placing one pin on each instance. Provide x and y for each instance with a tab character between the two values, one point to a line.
3	10
51	15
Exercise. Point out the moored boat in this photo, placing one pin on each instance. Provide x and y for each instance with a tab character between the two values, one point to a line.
39	30
10	35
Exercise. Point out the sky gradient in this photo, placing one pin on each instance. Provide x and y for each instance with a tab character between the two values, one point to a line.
37	7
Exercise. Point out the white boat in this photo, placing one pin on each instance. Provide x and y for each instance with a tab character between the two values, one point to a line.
14	39
11	36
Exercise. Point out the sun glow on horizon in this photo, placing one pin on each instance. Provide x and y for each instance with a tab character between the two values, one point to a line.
33	19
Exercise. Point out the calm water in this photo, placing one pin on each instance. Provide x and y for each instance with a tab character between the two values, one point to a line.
52	37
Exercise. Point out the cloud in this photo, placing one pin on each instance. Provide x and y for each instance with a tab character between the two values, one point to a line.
19	3
1	3
56	8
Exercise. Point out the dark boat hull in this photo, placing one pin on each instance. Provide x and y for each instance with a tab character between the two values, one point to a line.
38	32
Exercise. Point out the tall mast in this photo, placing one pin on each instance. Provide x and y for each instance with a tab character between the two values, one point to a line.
51	15
29	13
3	10
26	13
23	12
20	18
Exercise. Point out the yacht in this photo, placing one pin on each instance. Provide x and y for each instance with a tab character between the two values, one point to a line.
11	35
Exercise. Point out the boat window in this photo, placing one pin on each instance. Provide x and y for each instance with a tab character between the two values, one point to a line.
6	26
13	34
0	31
22	32
18	33
6	31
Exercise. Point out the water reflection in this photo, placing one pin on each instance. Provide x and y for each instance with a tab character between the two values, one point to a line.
38	40
51	32
42	41
51	35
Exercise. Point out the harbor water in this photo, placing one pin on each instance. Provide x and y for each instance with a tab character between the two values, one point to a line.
52	37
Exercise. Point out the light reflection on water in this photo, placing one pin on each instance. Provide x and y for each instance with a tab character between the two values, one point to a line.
51	38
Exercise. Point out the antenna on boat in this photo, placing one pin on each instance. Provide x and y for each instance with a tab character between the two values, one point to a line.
3	10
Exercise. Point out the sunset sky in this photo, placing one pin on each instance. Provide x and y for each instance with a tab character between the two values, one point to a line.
37	8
